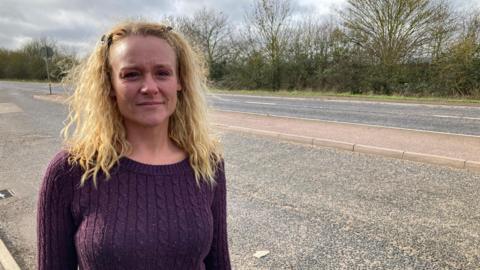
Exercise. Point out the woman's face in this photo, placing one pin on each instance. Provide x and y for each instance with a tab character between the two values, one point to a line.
145	80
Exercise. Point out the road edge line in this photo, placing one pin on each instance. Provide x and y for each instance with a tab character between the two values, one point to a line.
348	123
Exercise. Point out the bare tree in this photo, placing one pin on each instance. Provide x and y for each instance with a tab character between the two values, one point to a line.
458	68
442	31
208	30
392	30
470	26
268	21
309	48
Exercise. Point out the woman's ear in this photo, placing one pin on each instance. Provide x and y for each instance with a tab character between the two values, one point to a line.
112	94
179	86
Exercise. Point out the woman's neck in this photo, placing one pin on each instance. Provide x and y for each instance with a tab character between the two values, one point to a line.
152	145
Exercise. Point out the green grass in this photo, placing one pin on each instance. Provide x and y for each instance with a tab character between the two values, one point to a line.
348	96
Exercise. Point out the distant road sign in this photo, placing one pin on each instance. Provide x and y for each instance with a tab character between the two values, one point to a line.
47	52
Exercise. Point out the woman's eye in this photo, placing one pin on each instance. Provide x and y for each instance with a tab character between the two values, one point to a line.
130	75
163	73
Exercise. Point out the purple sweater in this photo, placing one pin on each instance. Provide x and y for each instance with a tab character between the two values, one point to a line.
144	217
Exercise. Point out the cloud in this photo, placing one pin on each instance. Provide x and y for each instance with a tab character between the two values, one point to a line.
78	24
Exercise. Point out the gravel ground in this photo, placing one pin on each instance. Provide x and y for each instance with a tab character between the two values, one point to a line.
318	208
312	208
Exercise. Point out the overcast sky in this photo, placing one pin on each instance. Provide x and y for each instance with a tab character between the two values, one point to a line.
77	24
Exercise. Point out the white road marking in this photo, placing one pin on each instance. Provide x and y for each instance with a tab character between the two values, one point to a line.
270	104
456	117
407	104
261	103
9	108
349	123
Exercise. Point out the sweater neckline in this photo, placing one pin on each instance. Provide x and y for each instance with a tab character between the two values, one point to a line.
164	169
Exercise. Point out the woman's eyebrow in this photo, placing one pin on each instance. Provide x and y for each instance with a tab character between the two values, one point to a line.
163	66
133	66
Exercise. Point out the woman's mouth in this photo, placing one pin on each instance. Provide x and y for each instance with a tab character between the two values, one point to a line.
150	103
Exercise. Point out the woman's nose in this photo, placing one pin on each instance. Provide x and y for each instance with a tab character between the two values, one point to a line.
149	86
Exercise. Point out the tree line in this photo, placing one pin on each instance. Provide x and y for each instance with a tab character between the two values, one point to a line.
403	47
30	61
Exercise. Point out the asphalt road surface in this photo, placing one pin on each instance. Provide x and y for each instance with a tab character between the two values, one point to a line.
311	208
439	118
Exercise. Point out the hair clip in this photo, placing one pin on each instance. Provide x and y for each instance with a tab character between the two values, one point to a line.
107	40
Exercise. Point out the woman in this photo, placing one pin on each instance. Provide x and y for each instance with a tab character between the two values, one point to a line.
141	183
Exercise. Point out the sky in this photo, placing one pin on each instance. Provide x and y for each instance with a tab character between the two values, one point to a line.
78	24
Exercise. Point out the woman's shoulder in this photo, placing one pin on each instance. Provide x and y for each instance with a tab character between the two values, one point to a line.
60	167
60	161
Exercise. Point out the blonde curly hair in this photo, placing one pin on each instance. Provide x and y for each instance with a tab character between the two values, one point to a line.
94	134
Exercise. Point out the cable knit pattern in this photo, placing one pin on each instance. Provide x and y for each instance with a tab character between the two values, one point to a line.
144	217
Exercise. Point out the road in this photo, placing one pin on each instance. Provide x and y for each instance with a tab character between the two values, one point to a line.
439	118
312	208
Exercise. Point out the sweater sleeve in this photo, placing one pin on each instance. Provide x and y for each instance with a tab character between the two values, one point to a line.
218	258
55	225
